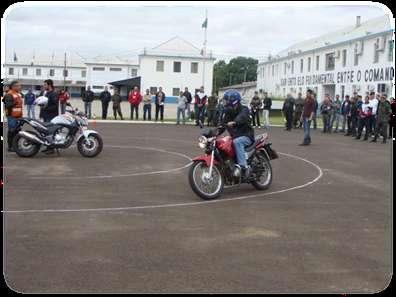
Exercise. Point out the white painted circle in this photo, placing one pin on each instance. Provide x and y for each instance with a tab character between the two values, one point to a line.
317	167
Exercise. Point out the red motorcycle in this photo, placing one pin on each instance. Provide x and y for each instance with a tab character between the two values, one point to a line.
209	173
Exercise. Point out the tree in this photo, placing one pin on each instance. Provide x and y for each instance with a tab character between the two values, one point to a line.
237	70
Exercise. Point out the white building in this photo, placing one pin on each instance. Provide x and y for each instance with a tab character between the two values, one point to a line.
173	65
357	58
246	89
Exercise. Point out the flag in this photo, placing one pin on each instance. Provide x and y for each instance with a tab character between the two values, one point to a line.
15	57
205	23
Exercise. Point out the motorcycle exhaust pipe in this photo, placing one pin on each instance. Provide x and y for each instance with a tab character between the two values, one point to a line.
32	138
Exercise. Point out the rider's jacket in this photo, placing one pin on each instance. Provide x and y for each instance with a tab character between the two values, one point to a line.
241	116
13	104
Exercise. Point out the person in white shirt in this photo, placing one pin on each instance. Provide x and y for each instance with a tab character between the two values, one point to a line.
373	118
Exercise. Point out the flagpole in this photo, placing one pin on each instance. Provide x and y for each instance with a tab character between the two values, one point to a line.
204	49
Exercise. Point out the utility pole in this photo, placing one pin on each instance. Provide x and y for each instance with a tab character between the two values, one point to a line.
204	48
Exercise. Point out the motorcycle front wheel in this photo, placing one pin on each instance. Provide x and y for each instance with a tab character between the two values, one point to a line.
91	146
205	186
24	147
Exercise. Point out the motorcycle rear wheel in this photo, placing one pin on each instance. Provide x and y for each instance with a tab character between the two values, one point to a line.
199	181
25	148
264	181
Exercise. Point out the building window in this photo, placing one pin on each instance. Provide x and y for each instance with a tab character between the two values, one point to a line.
115	69
301	65
194	67
160	66
98	68
344	57
390	50
97	87
317	63
83	73
356	59
153	90
38	72
175	91
11	71
176	66
330	61
292	67
381	88
65	73
52	72
309	64
24	71
134	72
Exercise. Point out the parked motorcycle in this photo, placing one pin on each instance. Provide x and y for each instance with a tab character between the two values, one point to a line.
60	133
209	173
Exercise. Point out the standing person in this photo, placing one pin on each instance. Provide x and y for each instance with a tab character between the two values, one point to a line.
336	117
353	116
29	102
116	99
187	94
181	108
134	98
307	116
105	98
267	103
13	107
287	110
299	105
147	105
345	109
63	97
87	98
51	110
374	106
316	107
255	105
211	109
392	118
159	104
326	109
365	112
261	109
200	102
384	112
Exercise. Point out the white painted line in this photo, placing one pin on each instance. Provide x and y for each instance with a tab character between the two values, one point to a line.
320	174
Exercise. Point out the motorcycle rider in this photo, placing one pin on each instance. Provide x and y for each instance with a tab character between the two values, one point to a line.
236	120
13	106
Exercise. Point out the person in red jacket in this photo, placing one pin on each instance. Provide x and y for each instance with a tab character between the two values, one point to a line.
134	98
63	97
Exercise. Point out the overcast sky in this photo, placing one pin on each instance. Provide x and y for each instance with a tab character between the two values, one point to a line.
232	31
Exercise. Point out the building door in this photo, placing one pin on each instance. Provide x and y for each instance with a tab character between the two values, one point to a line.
329	89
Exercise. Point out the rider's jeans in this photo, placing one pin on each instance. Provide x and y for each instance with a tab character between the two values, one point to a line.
239	145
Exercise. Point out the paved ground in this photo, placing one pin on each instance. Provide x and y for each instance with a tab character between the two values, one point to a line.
331	234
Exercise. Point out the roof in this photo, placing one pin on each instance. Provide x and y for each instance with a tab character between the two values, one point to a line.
27	57
134	81
370	27
248	84
176	47
111	60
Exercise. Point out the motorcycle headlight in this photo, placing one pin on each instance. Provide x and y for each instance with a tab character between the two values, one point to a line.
202	141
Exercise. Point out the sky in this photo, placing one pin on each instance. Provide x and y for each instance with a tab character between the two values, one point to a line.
122	31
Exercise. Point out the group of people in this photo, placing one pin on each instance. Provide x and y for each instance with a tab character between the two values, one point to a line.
260	106
351	115
13	104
